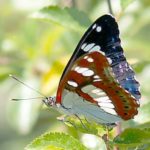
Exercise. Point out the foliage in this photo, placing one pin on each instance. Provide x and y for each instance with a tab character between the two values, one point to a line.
133	137
59	141
37	48
64	17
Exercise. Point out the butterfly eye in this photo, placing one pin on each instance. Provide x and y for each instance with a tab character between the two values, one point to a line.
50	101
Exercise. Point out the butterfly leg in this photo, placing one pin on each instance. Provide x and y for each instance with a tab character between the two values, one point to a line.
70	121
86	120
83	125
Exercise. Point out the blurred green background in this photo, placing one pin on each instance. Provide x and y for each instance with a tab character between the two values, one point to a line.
36	45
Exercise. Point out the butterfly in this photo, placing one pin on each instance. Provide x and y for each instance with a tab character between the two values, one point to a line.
98	83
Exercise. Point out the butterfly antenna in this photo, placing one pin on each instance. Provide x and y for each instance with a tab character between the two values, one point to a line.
18	99
15	78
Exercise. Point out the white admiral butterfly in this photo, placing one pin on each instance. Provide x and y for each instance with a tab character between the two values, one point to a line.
98	82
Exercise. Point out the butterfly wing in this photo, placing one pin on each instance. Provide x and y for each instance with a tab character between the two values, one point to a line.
103	35
95	82
98	64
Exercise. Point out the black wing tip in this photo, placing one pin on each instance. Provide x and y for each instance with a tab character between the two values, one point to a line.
108	23
106	17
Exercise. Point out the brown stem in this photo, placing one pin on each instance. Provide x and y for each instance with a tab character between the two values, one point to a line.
118	131
106	139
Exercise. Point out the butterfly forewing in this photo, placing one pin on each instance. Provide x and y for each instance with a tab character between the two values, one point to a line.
102	33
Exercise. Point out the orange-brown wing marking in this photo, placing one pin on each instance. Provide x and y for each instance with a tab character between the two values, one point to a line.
94	69
125	104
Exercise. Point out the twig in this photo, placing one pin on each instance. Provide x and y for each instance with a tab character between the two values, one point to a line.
110	7
106	140
118	131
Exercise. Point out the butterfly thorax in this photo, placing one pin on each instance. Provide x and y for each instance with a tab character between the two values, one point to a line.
51	102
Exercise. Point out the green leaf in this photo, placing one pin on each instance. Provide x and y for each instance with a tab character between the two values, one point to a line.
132	137
60	141
85	126
125	3
144	125
52	148
139	66
67	17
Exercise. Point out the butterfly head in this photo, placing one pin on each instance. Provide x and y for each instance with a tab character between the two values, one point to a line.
49	101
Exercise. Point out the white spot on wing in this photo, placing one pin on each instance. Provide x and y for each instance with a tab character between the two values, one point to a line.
77	68
96	77
126	65
83	45
97	80
94	26
127	91
138	102
72	83
96	91
90	60
102	99
107	105
109	110
120	66
88	47
106	101
117	81
109	60
85	57
88	73
102	94
95	48
99	28
82	69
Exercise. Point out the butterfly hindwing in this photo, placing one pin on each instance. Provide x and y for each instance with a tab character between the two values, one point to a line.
94	81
